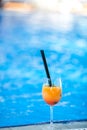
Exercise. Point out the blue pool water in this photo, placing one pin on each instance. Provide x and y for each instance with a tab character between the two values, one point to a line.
64	39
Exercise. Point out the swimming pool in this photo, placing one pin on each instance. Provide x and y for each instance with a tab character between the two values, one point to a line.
64	40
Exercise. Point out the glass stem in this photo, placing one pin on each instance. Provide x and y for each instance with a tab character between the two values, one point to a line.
51	116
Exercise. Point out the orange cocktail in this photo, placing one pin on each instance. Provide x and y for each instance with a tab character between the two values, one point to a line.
51	95
51	92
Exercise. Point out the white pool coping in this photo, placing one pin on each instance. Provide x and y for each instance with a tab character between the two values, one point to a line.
75	125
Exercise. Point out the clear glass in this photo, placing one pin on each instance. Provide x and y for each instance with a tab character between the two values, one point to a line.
52	95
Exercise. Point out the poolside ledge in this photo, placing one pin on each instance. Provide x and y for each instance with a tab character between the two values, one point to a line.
75	125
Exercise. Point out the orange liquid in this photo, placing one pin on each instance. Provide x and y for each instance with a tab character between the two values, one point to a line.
51	95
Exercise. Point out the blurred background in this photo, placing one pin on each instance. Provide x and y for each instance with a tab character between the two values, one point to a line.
56	5
60	28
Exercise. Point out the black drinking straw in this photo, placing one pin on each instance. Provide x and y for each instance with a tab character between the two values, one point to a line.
46	67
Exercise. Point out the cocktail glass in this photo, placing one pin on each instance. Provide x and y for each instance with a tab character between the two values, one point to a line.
52	95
